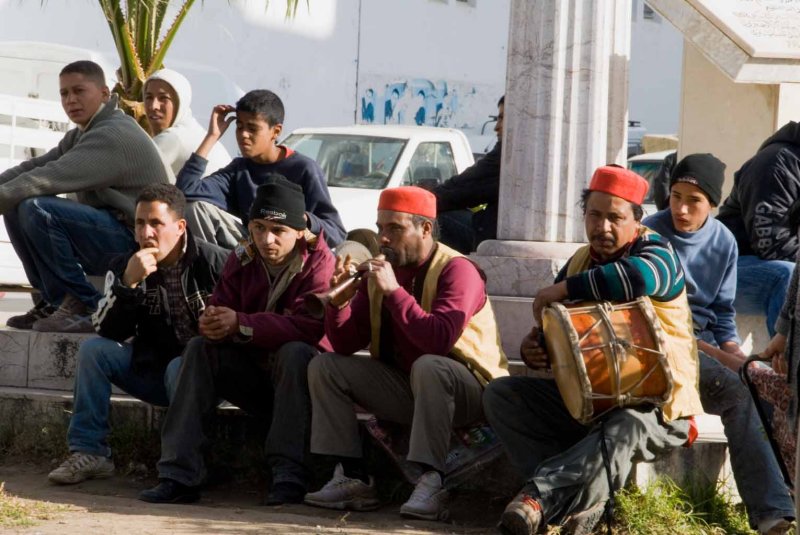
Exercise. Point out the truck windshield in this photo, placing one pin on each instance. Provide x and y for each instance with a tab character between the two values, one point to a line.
350	161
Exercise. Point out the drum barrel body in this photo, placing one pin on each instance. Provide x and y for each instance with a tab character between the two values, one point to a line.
606	356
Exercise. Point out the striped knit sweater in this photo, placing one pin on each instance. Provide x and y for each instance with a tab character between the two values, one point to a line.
650	267
106	164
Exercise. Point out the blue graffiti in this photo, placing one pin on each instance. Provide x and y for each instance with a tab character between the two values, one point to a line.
415	101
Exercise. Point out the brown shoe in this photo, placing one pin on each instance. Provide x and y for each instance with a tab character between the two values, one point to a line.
523	516
25	321
71	317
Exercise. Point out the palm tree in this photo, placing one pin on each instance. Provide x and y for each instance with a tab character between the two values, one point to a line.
136	27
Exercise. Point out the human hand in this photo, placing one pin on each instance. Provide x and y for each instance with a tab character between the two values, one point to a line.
140	266
533	354
546	296
733	348
219	122
217	323
775	352
342	272
380	270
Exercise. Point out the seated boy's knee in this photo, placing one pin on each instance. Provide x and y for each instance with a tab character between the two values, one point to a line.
294	355
92	350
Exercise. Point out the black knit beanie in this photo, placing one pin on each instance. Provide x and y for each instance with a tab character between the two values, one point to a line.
705	171
281	201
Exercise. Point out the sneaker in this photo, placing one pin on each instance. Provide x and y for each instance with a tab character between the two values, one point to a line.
774	526
80	467
429	499
342	492
584	522
25	321
170	491
523	516
71	317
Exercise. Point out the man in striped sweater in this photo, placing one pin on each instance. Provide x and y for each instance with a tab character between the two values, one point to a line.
568	481
105	161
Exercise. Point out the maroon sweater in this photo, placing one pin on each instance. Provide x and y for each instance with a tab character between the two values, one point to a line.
245	289
461	292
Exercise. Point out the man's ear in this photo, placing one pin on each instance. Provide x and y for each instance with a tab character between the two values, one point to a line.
276	130
106	93
182	226
427	227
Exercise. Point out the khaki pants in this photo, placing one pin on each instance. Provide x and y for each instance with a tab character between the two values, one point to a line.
439	394
210	223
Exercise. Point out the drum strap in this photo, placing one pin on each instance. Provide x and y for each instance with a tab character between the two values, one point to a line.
609	512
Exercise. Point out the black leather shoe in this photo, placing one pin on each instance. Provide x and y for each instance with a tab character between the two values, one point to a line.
285	492
169	491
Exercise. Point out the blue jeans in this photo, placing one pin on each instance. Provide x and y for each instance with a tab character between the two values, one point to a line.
755	469
60	241
102	362
761	287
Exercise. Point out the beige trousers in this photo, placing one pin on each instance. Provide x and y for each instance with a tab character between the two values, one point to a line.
439	394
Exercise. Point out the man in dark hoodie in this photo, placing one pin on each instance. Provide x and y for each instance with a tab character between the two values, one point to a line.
459	227
756	211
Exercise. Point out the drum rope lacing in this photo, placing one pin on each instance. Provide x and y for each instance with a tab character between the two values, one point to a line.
619	348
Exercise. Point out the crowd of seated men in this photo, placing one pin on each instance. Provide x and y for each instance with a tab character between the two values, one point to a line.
208	262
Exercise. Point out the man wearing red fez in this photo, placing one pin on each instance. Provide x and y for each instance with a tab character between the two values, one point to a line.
563	462
423	311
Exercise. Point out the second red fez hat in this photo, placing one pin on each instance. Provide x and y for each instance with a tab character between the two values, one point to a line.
409	199
621	182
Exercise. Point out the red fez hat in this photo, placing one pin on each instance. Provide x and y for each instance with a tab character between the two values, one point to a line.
621	182
409	199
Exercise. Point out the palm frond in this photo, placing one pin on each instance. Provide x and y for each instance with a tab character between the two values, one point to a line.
161	49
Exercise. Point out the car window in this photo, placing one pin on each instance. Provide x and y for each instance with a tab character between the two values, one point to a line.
648	169
431	164
350	161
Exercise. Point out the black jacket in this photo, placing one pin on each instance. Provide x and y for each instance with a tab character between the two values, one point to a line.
764	190
478	184
143	312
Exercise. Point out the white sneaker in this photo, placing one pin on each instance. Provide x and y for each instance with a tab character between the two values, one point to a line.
343	492
80	467
429	499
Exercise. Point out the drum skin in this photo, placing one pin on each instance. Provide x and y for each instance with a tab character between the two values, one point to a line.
605	356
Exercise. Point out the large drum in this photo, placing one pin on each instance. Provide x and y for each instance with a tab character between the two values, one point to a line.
606	356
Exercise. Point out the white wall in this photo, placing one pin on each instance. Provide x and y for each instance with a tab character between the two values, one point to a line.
312	62
655	72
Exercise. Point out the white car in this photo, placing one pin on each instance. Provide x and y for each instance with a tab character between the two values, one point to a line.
360	161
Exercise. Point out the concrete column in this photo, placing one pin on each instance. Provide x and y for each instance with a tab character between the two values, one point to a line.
565	115
564	58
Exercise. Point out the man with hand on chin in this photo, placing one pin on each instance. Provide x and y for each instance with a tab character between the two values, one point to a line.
256	341
156	296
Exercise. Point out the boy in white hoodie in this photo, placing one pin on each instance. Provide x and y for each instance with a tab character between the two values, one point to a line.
167	97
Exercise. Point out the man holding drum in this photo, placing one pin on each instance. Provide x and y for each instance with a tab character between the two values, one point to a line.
571	468
708	252
424	313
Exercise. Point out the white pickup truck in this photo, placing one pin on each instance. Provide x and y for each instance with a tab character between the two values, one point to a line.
362	160
359	161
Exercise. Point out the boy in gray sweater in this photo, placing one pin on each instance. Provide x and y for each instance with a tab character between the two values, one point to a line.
105	161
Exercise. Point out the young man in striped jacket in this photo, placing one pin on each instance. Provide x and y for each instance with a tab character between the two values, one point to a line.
560	458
